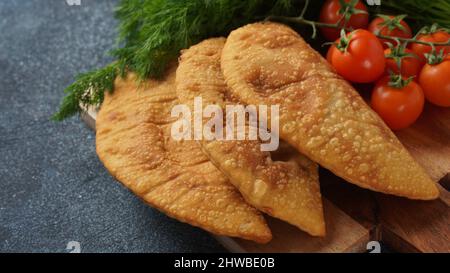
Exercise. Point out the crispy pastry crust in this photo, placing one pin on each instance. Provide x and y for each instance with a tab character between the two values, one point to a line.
282	189
320	113
134	143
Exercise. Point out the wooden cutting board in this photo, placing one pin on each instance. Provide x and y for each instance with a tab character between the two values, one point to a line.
356	216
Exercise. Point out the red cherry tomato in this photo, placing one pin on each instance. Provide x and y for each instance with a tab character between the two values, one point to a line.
399	108
435	82
330	14
437	37
411	66
376	26
363	61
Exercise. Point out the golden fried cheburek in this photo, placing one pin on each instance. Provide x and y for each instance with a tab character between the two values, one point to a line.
134	143
282	189
321	115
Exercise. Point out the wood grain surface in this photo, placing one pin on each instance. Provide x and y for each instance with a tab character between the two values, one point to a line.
343	235
428	141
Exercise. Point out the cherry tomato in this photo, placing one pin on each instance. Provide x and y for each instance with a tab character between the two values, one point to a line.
399	108
411	66
363	61
376	26
437	37
435	81
330	14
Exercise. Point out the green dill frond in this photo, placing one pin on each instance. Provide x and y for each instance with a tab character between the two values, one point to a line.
151	34
88	89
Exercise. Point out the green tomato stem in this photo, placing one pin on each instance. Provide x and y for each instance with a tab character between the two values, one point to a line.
337	25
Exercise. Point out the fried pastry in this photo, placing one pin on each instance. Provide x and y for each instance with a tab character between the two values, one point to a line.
321	115
134	143
282	189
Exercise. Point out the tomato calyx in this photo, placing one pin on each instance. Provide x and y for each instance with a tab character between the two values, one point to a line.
398	81
434	28
392	22
398	53
343	43
348	9
434	57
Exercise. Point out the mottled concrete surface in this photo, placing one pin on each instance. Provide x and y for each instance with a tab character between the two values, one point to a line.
53	189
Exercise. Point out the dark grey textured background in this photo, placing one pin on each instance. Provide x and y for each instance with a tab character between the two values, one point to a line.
53	189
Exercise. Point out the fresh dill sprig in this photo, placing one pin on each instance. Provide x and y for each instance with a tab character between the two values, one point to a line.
152	33
88	89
